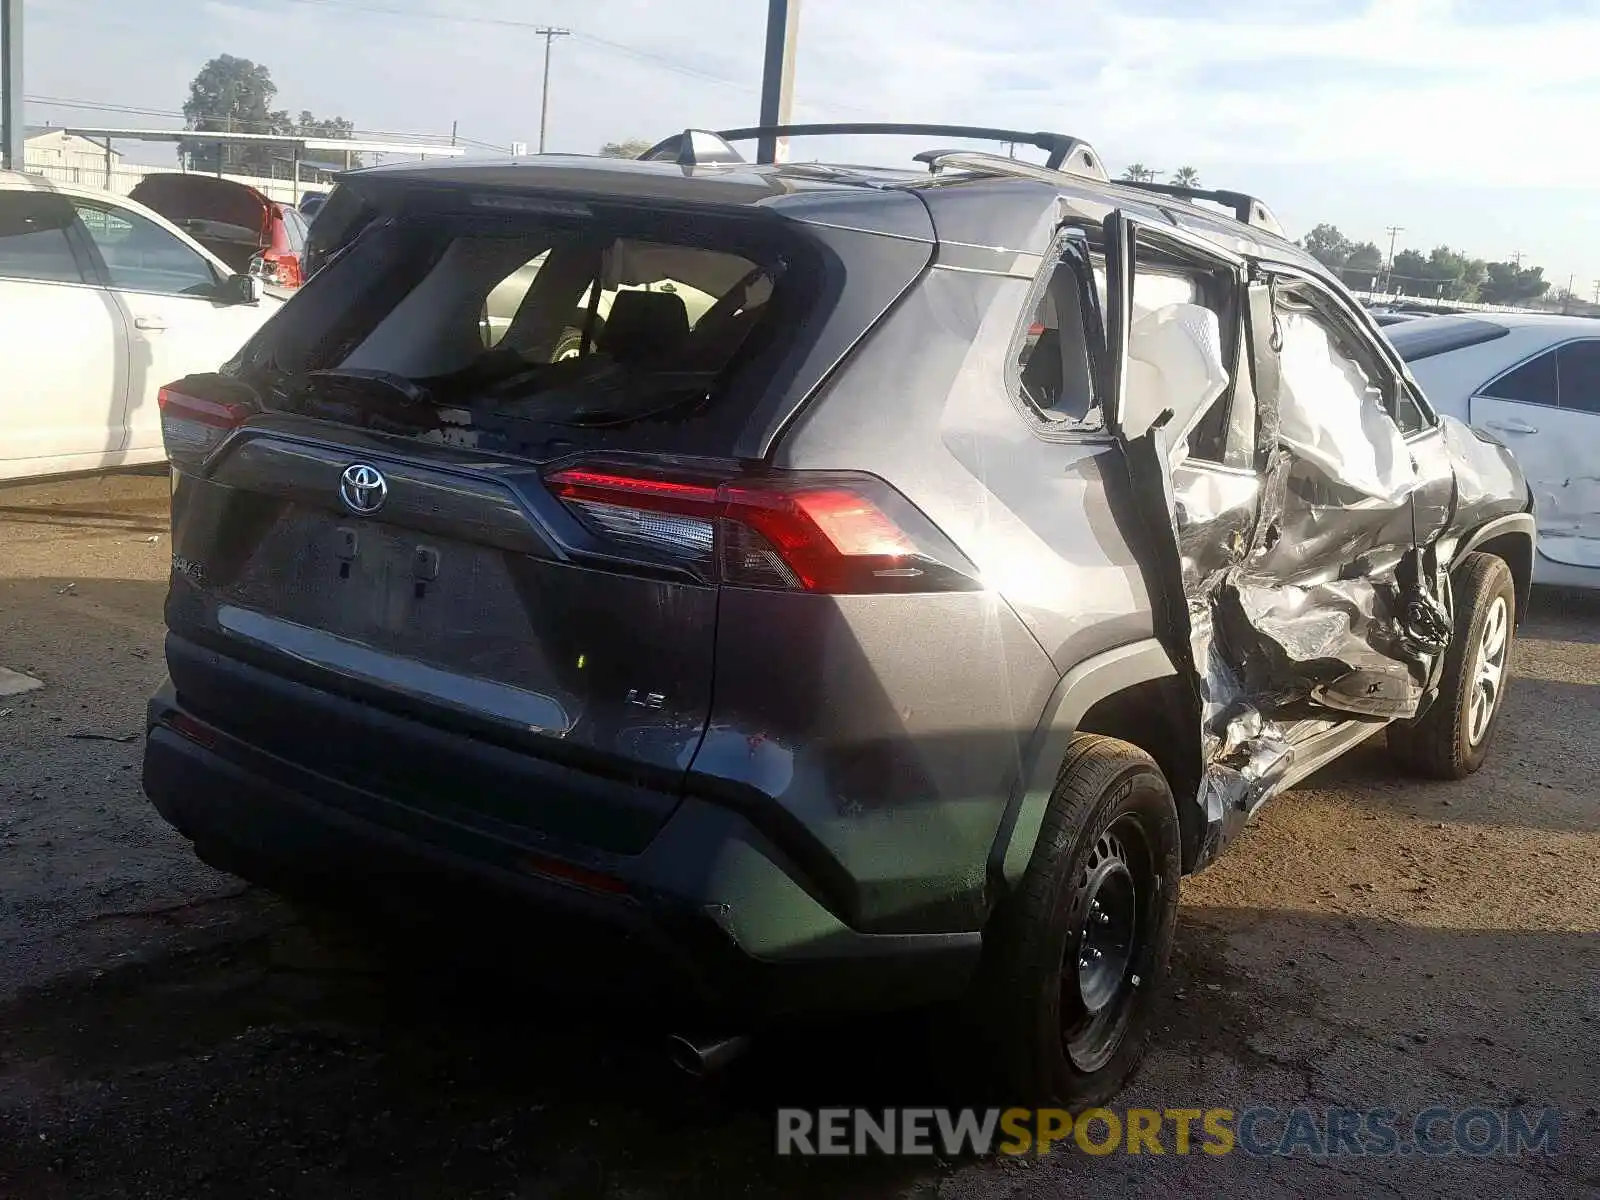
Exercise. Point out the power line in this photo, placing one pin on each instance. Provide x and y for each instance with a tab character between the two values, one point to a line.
425	14
660	60
242	126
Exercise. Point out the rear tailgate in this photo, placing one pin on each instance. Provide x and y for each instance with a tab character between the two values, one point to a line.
450	605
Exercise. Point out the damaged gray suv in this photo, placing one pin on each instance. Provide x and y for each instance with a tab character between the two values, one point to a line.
892	626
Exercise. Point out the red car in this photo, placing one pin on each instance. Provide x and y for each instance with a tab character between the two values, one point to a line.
249	231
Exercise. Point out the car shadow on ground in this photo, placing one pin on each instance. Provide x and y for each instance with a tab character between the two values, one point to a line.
303	1062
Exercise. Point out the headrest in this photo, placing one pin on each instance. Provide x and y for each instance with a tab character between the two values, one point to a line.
645	328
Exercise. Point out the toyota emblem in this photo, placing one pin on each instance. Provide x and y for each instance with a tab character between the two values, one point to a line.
363	489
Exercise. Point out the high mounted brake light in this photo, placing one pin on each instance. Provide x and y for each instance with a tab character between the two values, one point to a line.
833	533
192	427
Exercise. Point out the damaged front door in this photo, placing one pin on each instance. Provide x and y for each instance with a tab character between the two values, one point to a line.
1264	430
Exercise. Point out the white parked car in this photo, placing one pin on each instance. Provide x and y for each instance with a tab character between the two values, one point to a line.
1533	383
101	303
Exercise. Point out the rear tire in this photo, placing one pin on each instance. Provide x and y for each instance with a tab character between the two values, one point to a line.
570	343
1452	739
1075	956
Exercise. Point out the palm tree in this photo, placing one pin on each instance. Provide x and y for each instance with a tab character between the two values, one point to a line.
1139	173
1186	177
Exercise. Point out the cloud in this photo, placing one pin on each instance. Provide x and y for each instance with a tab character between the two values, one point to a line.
1482	103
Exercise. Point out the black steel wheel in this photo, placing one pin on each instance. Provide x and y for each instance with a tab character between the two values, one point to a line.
1074	958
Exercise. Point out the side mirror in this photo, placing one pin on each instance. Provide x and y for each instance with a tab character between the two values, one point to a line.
240	289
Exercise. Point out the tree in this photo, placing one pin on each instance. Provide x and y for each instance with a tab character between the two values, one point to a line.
309	126
627	148
1507	283
235	95
1408	274
1364	256
230	95
1139	173
1328	246
1186	177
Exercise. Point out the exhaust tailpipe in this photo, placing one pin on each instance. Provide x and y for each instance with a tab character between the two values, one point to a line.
701	1057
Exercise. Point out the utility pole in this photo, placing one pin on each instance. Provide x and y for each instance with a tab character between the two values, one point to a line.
13	151
1566	298
1393	231
1516	258
549	33
1597	291
777	76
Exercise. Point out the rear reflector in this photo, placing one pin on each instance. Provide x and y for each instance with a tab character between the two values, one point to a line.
571	873
192	427
835	533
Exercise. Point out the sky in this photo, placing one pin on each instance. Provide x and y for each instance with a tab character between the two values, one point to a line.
1470	123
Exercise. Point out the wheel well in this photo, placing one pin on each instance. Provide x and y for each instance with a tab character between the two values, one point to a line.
1157	716
1516	549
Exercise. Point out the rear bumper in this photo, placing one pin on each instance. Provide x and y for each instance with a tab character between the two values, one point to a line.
709	918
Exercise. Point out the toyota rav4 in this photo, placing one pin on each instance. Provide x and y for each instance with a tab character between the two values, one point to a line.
892	629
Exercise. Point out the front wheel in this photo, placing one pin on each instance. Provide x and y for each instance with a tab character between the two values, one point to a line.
1074	958
1452	738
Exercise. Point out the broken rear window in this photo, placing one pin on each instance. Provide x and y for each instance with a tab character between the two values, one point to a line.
577	322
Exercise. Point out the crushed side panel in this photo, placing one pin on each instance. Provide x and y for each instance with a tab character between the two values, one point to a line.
1331	604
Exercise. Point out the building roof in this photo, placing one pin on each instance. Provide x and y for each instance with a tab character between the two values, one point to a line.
303	144
29	132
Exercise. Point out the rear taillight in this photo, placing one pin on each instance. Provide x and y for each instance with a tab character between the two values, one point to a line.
264	268
835	533
192	427
278	269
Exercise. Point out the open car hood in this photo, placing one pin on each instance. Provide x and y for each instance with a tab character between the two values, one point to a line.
218	213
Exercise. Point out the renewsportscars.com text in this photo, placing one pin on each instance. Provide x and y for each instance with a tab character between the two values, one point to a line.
1257	1131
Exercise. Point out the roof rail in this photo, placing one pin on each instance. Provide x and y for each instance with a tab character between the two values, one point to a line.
1059	146
1245	208
1082	164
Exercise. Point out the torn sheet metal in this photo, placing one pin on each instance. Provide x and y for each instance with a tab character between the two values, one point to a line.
1306	590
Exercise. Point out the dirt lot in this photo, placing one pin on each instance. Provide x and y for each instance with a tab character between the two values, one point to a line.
165	1031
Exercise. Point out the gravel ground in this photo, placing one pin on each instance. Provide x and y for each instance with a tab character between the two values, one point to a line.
165	1031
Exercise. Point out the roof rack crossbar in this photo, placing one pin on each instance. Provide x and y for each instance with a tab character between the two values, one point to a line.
1080	166
1059	146
1245	208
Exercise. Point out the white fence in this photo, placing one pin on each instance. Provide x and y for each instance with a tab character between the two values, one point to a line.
121	178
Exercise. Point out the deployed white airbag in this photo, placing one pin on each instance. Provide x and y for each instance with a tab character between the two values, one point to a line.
1174	362
1330	416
